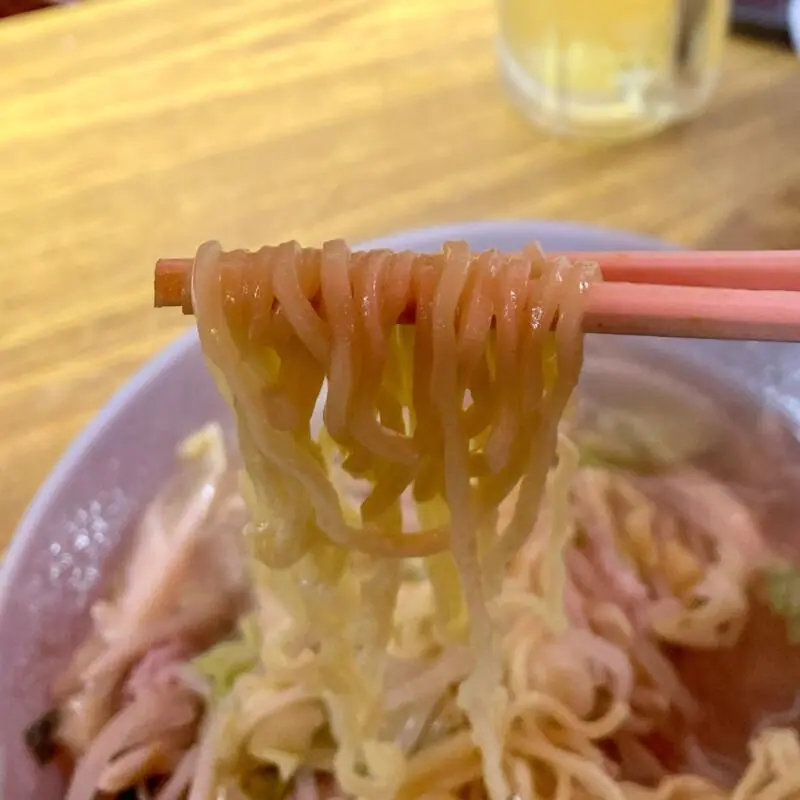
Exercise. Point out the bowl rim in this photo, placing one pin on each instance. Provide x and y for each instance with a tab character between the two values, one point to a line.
70	459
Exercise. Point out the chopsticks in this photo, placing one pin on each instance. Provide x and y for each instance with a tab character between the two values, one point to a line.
738	295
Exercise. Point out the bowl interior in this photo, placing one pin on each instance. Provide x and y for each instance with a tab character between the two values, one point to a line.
70	539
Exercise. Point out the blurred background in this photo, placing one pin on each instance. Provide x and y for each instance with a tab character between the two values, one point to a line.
134	129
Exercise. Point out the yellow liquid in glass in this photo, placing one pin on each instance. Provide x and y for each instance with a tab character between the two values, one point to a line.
611	68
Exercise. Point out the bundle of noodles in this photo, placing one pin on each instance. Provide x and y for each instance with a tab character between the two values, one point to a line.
460	410
128	707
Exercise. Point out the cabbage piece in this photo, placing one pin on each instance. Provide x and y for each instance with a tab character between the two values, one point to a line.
224	663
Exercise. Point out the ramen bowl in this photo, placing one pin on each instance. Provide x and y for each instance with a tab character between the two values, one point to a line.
731	407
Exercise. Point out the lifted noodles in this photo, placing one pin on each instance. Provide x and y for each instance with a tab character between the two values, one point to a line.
459	411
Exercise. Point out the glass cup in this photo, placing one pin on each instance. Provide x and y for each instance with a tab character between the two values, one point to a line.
611	69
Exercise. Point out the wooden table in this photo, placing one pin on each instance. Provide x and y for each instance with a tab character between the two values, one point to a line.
131	129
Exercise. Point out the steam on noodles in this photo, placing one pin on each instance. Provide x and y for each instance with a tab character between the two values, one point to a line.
445	599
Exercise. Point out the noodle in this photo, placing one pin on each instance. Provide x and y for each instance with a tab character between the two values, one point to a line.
455	443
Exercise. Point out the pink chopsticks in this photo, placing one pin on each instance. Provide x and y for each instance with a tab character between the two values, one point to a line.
718	295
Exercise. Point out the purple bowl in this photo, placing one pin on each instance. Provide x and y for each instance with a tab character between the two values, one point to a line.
71	536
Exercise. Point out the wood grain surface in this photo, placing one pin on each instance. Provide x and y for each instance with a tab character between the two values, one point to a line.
132	129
